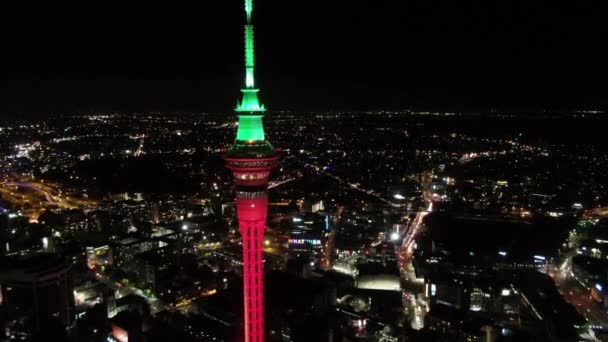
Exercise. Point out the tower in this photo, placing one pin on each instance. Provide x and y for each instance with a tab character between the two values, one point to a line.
250	159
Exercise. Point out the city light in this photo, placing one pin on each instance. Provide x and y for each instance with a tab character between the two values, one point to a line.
371	224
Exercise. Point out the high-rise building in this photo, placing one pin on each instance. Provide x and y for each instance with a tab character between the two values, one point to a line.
35	290
250	159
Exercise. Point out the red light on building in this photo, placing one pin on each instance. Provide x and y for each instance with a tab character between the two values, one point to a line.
119	334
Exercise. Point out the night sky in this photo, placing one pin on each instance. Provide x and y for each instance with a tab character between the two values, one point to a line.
311	55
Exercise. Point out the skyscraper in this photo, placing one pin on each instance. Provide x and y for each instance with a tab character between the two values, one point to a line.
250	159
36	290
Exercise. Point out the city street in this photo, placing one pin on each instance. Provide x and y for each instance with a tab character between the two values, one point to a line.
578	295
414	287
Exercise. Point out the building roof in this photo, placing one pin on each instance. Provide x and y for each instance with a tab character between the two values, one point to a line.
37	268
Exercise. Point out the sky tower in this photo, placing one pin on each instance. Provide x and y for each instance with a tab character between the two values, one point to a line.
250	159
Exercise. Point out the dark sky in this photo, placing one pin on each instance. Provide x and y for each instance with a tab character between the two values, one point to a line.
316	54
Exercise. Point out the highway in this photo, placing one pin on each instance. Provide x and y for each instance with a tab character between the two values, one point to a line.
37	195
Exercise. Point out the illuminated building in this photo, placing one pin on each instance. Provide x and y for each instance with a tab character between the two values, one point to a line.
308	232
99	257
385	282
124	250
250	159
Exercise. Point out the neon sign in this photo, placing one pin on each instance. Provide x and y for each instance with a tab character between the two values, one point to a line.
314	242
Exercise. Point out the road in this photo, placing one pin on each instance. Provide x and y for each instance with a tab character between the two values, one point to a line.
406	250
33	196
327	252
274	184
345	183
578	295
122	291
412	293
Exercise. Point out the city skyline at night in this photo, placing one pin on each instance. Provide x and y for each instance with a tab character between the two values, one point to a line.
389	172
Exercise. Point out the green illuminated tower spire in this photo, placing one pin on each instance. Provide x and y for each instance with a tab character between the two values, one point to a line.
250	111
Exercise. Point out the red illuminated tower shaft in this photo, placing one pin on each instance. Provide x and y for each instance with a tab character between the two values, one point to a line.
250	159
251	178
